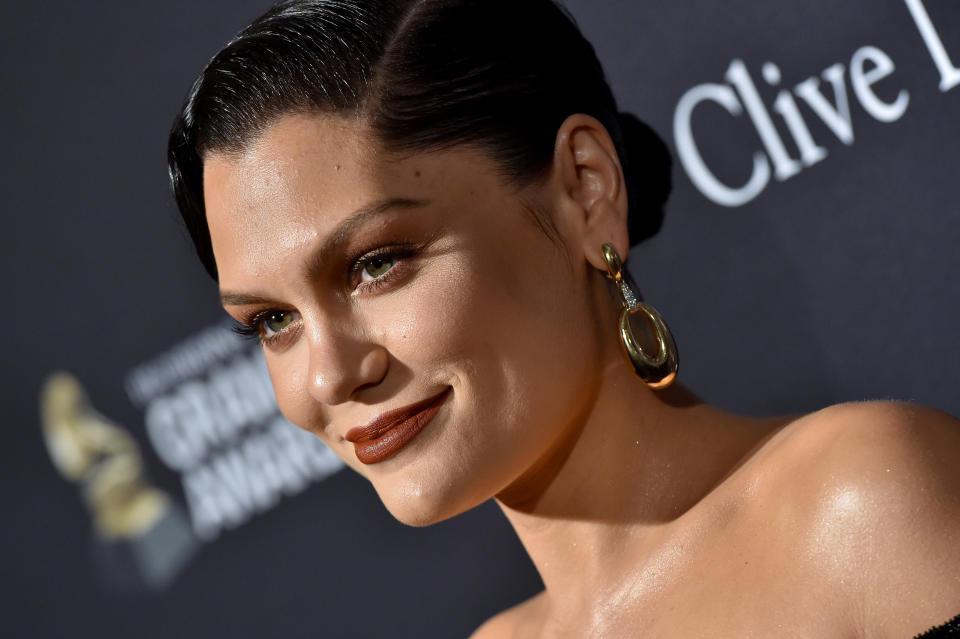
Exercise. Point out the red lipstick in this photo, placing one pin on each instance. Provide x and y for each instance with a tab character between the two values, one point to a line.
387	434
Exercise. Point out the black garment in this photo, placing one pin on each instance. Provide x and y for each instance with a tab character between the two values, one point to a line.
949	629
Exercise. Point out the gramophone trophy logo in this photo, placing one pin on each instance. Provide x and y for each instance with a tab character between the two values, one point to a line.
210	416
141	538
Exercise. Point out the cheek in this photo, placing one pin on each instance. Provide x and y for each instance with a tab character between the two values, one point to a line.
516	343
431	322
289	374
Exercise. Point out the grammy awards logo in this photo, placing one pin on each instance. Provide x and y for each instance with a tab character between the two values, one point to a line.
210	415
141	537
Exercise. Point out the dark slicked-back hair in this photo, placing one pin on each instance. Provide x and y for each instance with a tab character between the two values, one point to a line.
425	75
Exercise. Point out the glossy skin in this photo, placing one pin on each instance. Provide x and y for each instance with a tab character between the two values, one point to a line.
643	511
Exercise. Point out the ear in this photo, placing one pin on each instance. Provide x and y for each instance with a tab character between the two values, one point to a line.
592	188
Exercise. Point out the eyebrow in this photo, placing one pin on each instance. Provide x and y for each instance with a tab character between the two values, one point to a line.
340	234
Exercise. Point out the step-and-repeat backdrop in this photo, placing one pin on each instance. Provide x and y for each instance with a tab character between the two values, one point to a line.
150	486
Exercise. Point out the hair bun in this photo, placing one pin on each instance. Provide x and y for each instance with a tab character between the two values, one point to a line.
647	170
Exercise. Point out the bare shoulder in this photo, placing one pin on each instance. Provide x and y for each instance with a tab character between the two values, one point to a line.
512	622
872	493
897	449
883	445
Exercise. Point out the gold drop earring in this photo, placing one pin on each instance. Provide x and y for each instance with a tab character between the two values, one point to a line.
656	371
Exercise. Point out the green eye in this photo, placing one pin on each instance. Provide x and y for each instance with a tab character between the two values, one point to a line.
276	322
375	268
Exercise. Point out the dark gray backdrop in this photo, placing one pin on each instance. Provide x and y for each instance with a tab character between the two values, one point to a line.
835	284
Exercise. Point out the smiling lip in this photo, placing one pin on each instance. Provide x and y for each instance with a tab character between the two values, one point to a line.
387	434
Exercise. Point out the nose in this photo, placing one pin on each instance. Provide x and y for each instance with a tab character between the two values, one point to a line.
342	363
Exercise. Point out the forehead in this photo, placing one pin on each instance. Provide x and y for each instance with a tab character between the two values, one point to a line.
267	206
295	150
302	170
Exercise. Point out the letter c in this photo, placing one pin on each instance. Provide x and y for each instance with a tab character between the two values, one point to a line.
693	163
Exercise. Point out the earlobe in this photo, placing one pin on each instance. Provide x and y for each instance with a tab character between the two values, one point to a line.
592	179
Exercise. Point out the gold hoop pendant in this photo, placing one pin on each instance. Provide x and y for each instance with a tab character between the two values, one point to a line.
657	371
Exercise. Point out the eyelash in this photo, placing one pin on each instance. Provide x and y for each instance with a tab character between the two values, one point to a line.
250	328
394	254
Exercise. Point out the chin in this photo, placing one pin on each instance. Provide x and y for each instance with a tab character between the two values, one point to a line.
417	518
420	514
414	504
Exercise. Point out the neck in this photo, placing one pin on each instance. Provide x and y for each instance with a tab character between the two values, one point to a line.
619	489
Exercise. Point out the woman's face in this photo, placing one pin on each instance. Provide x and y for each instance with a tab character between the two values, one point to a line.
378	281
